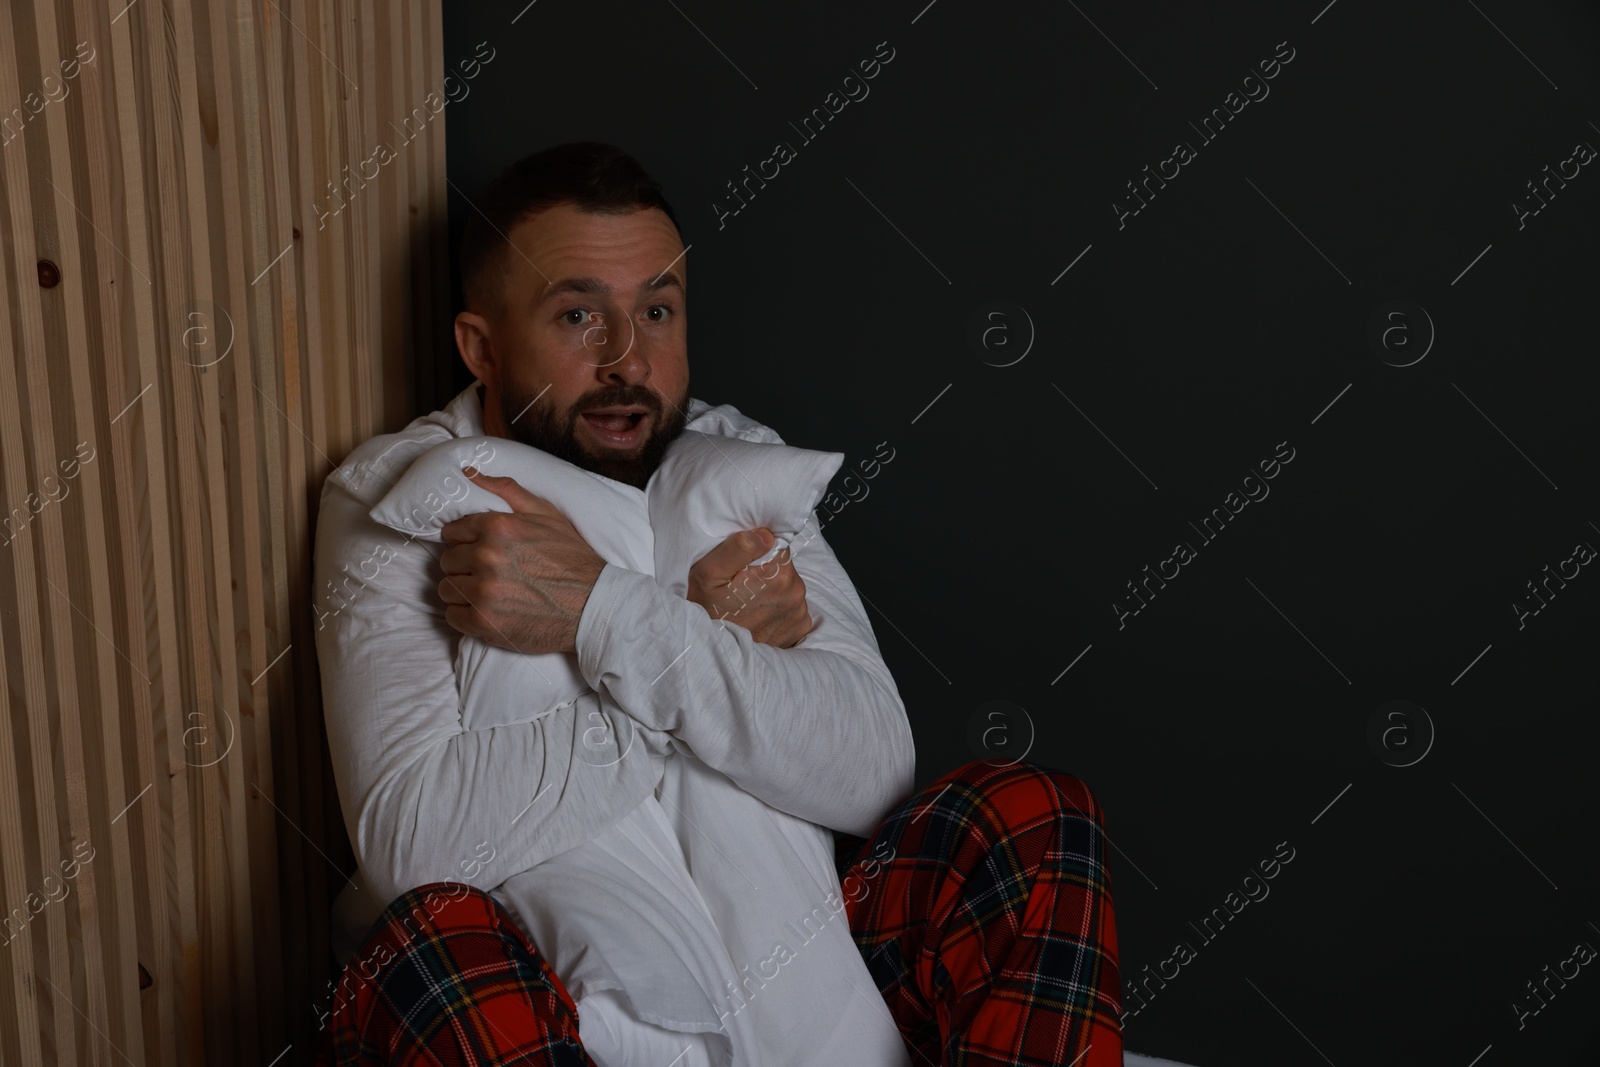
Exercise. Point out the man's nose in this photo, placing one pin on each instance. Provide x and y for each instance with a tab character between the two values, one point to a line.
630	362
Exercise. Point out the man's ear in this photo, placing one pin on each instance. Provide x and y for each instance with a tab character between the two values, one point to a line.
477	350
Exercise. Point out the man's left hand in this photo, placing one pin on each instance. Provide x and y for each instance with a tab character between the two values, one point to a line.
517	581
768	600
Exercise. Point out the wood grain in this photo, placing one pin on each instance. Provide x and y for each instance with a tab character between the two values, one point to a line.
217	339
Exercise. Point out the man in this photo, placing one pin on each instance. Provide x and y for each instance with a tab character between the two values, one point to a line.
988	930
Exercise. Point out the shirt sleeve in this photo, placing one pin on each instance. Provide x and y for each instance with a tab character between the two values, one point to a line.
818	730
423	798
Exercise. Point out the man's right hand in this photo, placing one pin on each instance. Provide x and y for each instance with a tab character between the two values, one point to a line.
769	600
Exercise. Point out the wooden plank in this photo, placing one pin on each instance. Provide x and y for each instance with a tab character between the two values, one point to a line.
34	235
151	712
20	1039
185	269
92	744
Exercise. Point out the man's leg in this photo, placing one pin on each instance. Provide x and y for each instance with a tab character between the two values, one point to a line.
982	907
448	978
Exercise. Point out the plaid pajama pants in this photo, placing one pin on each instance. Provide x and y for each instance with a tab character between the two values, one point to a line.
982	907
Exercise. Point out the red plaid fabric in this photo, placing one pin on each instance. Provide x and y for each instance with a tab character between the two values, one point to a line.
448	979
982	906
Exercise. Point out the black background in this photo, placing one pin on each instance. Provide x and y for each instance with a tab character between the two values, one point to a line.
1177	352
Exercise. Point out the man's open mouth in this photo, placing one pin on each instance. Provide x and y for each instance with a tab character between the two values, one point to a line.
621	429
616	423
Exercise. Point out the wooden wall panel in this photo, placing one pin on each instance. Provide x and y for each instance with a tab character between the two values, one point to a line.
197	323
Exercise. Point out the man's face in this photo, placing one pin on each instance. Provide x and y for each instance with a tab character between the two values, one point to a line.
589	361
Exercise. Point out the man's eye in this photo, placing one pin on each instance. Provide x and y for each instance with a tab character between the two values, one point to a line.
582	313
663	308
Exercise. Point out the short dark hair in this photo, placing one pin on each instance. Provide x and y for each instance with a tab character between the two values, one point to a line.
600	179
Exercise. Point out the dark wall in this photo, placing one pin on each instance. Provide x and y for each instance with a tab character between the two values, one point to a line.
955	268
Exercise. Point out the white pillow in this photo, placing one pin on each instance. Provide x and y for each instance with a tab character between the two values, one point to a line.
610	515
710	487
707	488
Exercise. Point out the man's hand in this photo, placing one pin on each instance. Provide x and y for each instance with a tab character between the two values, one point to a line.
517	581
769	600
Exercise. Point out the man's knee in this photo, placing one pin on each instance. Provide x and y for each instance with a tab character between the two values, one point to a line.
442	909
454	930
438	904
1025	791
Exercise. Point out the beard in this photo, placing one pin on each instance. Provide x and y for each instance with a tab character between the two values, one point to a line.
556	432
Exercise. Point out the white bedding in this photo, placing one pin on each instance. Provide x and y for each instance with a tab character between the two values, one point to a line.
1133	1059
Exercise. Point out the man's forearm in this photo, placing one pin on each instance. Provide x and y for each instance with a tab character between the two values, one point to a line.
425	799
480	806
817	730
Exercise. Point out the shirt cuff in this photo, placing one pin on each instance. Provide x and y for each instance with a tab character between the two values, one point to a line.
594	624
631	630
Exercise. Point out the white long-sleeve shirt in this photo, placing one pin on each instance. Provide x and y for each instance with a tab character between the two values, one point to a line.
817	730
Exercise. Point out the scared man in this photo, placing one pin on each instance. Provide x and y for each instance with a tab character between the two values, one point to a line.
981	906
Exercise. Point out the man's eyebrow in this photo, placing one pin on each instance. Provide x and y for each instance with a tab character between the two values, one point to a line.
666	279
